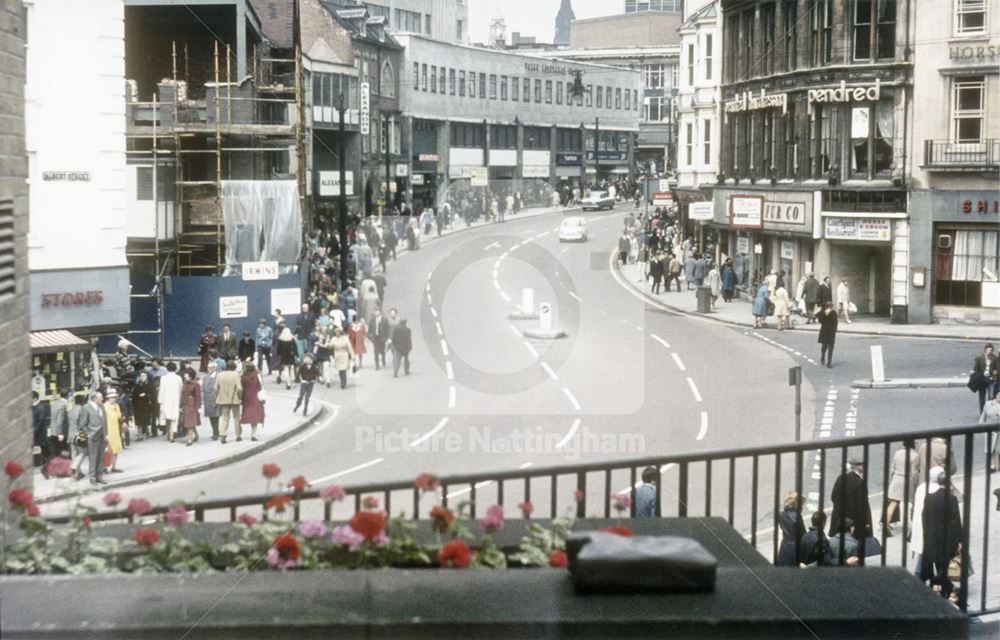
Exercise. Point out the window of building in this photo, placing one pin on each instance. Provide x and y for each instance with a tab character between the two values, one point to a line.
960	269
690	65
537	137
568	139
618	98
377	10
526	90
482	86
427	24
459	30
821	138
768	19
442	80
408	21
559	92
732	48
416	76
461	84
968	108
791	12
467	135
493	86
590	95
749	33
871	138
607	97
600	98
655	109
503	87
791	143
434	79
538	90
767	142
503	137
472	84
628	100
821	33
548	92
451	82
709	56
689	144
423	77
970	16
706	141
874	29
673	75
515	88
569	94
653	76
388	80
635	99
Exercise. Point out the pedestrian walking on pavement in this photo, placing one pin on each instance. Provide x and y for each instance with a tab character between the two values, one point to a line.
287	354
191	404
143	406
624	247
229	395
77	451
308	373
827	319
986	368
714	282
674	272
699	270
656	272
251	404
792	531
113	433
247	348
760	303
991	415
379	335
170	399
40	434
322	359
810	295
93	424
844	299
265	340
728	281
689	267
343	354
210	407
898	494
358	335
850	500
782	308
402	343
942	524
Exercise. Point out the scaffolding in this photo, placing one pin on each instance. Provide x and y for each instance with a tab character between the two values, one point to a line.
251	127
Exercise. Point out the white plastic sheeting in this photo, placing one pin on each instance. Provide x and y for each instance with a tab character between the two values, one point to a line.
263	221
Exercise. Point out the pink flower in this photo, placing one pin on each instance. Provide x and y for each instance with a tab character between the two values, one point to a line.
369	502
332	493
111	498
526	508
86	522
176	515
493	520
310	529
578	495
427	482
139	506
275	561
33	510
347	536
247	519
59	467
13	469
622	501
380	540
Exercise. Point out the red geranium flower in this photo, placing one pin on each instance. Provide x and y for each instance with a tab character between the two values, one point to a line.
578	495
33	510
278	503
271	471
427	482
287	546
86	521
558	559
112	498
247	519
455	554
333	492
139	506
369	502
526	508
147	536
13	469
618	530
21	498
441	518
368	523
299	483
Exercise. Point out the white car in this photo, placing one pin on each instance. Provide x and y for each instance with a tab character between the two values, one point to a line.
573	229
597	200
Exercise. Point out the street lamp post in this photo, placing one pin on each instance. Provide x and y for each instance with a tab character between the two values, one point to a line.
342	221
388	149
597	156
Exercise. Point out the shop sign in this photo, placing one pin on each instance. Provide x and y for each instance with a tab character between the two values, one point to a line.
329	183
980	206
747	101
608	156
785	212
743	245
746	211
92	298
662	199
787	250
428	157
253	271
459	171
843	93
480	177
402	171
365	108
864	229
539	67
535	171
287	299
567	159
66	176
664	185
232	307
978	52
701	211
417	180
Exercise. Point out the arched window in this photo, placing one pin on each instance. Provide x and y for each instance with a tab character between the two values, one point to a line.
388	86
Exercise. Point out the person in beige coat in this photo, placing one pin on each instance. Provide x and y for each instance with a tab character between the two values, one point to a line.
228	398
343	354
782	308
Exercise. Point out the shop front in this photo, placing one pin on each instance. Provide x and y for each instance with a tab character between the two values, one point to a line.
859	247
60	360
955	256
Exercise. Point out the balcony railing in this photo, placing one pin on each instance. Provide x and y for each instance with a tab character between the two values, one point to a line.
944	154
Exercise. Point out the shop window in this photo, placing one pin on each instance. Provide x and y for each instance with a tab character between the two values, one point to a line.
970	16
8	278
503	137
965	258
967	112
874	30
537	138
467	135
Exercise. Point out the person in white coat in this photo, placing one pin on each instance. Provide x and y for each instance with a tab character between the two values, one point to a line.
844	299
782	308
169	399
917	527
714	282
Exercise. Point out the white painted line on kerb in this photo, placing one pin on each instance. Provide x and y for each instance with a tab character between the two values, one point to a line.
437	325
429	283
704	426
694	389
516	332
569	434
548	370
677	360
576	297
444	347
433	312
430	300
449	370
430	434
572	400
359	467
531	349
451	397
505	297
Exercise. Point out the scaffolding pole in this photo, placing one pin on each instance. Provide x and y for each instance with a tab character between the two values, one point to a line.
218	165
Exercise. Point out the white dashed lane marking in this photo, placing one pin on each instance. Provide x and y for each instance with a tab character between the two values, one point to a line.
444	348
359	467
660	340
449	370
678	361
569	434
704	426
694	389
430	434
573	401
548	370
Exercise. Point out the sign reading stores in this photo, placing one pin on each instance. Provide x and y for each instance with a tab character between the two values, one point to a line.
746	101
746	212
785	212
864	229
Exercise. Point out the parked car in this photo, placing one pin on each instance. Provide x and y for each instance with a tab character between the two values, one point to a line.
573	230
598	200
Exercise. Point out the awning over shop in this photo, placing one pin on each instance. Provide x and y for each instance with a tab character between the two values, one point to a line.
55	341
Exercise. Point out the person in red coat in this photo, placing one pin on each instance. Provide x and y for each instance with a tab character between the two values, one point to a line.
253	407
358	333
190	406
206	345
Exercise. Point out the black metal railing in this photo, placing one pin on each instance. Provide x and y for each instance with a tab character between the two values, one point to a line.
984	154
744	485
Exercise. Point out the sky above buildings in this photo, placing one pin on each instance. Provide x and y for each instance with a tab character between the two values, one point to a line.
532	17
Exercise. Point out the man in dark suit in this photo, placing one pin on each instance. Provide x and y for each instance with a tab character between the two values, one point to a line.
850	500
379	334
985	364
94	423
942	530
825	292
402	343
227	344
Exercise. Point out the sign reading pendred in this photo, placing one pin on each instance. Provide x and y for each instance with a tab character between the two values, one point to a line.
746	212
